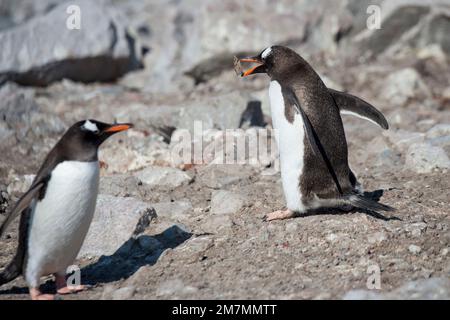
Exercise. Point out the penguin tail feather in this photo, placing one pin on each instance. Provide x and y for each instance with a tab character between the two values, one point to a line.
362	202
11	272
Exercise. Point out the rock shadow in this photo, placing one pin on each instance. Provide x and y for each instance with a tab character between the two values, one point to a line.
134	253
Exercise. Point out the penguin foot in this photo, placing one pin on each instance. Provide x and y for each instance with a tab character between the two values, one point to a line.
63	288
36	294
71	289
279	215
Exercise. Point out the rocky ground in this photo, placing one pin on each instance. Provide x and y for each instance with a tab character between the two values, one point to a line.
166	229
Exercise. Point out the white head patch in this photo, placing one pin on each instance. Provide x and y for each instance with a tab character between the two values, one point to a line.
90	126
266	52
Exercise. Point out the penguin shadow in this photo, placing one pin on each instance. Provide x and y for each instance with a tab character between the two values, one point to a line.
373	195
136	252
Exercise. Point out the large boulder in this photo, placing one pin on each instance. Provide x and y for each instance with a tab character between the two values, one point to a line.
45	49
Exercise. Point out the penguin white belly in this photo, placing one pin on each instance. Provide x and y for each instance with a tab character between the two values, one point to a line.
289	137
60	221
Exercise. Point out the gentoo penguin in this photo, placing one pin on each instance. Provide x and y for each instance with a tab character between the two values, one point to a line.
310	135
58	208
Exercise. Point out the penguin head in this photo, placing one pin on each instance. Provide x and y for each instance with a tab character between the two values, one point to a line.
275	61
93	132
81	140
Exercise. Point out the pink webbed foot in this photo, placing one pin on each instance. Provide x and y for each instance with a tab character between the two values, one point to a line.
279	215
71	289
63	288
36	294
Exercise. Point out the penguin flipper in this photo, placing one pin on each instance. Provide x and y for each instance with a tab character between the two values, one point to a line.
23	203
15	267
311	135
350	104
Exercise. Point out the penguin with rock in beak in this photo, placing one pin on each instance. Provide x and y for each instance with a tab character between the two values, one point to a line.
310	135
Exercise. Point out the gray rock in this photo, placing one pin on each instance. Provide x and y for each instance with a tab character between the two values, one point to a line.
220	176
21	184
119	185
388	157
124	293
403	139
414	249
402	85
443	142
177	210
217	224
424	289
393	27
416	229
137	152
20	11
44	49
436	32
174	287
163	177
424	158
439	130
22	117
226	202
116	220
376	237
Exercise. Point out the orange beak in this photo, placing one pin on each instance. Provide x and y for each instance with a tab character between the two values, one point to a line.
252	70
119	127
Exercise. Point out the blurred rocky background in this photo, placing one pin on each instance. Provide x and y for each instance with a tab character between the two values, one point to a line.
166	229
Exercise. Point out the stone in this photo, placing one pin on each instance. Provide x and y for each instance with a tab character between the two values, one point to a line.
443	142
424	158
220	176
414	249
116	220
119	185
44	49
163	177
402	85
226	202
437	32
124	293
21	184
173	287
376	237
402	139
217	224
423	289
394	26
22	116
439	130
416	229
110	292
176	210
